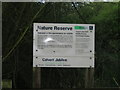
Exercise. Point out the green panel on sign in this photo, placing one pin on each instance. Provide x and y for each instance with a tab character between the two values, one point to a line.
79	27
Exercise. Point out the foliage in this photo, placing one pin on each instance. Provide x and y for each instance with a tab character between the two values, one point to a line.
18	19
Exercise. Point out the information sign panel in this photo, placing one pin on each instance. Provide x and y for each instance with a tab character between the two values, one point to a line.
63	45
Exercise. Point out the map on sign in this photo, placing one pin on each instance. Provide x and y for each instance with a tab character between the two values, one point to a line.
63	45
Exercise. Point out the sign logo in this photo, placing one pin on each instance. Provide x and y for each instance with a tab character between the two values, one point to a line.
90	27
79	27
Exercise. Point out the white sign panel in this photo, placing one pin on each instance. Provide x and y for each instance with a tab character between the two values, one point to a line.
63	45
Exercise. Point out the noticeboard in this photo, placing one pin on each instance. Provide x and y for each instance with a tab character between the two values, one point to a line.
63	45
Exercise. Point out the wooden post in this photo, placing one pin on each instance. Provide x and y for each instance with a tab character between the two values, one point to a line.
86	77
37	77
89	77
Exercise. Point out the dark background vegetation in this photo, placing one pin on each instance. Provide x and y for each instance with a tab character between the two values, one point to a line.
17	34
